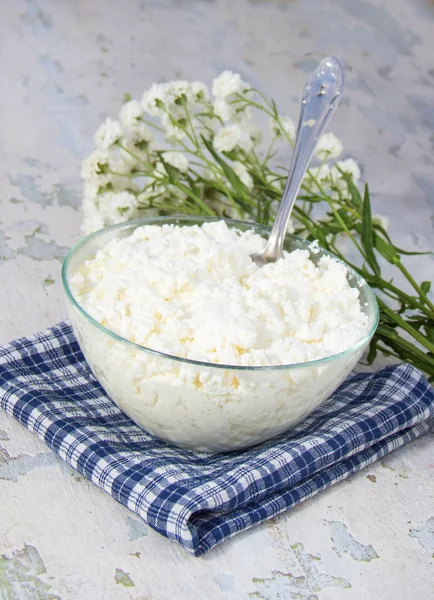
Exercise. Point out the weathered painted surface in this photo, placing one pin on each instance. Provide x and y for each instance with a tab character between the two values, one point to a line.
68	65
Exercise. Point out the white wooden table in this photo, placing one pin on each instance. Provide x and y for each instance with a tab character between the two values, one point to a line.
66	65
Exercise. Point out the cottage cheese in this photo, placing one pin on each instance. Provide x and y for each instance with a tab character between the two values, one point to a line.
193	292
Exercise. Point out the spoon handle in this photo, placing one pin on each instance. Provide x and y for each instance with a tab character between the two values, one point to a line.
320	100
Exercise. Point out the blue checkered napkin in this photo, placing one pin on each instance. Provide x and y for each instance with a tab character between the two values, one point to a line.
199	500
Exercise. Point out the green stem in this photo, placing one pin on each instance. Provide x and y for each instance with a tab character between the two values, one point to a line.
344	226
222	188
189	121
418	289
207	210
406	326
379	283
129	175
269	151
131	153
151	124
250	102
419	358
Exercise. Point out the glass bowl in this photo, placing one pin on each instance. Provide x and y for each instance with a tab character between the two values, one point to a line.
205	406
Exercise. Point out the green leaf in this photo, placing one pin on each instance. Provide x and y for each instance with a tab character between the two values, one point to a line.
372	354
367	235
233	178
232	155
386	236
425	286
197	199
405	349
408	253
354	192
171	172
308	198
430	332
387	251
191	181
127	98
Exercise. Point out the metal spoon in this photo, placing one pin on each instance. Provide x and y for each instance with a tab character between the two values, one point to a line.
320	100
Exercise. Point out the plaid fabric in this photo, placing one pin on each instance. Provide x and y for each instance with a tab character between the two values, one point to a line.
199	500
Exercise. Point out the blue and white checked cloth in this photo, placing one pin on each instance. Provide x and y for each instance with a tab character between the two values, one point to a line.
199	500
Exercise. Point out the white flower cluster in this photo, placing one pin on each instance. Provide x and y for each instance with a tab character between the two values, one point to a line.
228	90
231	137
167	144
332	176
282	128
169	101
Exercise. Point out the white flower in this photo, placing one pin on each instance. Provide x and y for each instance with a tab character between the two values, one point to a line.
159	170
191	93
243	174
225	89
91	191
155	195
232	111
198	92
178	88
351	167
223	109
206	126
151	195
127	162
92	223
155	99
93	219
117	207
170	98
108	134
169	101
232	136
140	137
130	114
284	126
381	220
228	83
329	146
255	134
125	205
90	201
95	165
321	174
177	160
212	174
173	132
178	93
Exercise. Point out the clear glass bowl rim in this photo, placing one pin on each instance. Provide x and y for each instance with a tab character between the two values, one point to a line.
232	222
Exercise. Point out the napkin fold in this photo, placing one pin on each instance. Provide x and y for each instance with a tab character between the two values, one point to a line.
200	499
